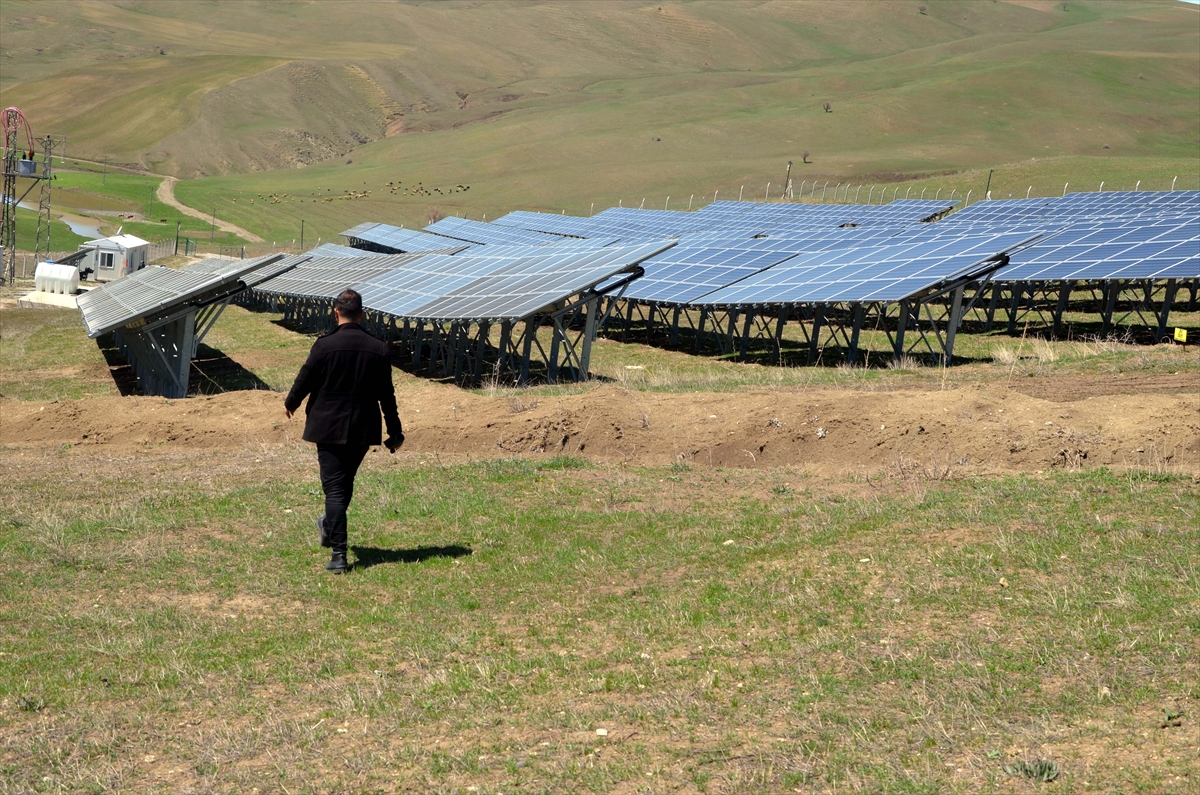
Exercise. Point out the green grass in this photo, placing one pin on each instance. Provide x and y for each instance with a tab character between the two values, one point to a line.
902	637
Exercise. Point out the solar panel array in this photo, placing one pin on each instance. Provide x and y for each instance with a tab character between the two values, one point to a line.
873	273
489	283
387	239
334	250
685	273
483	233
729	251
327	277
524	286
1161	249
155	288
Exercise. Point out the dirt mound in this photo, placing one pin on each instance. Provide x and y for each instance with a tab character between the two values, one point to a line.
979	428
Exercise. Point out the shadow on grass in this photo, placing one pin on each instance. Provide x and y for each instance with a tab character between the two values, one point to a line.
373	556
212	371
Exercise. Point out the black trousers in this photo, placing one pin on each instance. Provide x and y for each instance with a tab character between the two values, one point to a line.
339	464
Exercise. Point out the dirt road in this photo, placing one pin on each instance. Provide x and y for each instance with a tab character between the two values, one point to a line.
166	195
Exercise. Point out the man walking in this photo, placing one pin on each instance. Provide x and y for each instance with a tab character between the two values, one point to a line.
347	380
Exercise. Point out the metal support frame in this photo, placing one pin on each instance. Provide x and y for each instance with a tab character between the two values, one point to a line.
470	350
1118	303
160	351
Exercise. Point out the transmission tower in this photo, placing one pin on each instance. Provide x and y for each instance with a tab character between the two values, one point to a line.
18	162
41	247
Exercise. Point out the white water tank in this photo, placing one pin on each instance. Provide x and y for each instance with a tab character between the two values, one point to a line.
50	277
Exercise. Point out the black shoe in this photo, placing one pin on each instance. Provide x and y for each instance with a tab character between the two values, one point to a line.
322	533
337	564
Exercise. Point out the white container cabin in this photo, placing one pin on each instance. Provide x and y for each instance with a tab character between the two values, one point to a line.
110	258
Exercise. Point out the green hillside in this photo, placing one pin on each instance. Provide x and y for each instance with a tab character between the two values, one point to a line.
479	108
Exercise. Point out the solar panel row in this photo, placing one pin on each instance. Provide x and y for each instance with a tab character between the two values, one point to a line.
872	273
386	239
493	284
154	289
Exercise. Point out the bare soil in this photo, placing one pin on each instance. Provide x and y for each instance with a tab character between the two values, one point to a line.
1024	425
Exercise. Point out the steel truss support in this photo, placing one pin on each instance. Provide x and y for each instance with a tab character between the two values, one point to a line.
1118	302
470	351
160	351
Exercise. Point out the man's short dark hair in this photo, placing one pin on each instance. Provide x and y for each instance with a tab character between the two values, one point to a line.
349	304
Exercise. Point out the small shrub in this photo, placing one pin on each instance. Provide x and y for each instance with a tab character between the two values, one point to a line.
1039	769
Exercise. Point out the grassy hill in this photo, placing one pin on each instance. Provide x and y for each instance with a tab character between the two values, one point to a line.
479	108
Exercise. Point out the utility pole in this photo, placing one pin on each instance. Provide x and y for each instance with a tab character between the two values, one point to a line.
212	231
301	234
177	223
104	175
150	212
987	190
787	180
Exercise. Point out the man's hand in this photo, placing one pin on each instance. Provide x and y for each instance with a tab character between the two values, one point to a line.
288	411
392	443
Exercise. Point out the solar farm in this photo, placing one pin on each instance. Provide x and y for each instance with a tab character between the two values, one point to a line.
784	282
799	397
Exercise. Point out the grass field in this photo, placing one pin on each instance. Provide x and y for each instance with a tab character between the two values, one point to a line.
561	627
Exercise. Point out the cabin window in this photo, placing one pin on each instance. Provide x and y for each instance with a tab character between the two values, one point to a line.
106	259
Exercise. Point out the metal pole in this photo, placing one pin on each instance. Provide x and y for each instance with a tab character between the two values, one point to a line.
301	234
989	182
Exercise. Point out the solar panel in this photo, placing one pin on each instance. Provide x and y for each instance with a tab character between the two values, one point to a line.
568	225
1078	207
334	250
326	277
1129	249
386	239
484	233
876	273
399	291
682	274
527	286
154	289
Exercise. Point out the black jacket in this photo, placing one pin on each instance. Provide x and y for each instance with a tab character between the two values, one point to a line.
347	380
